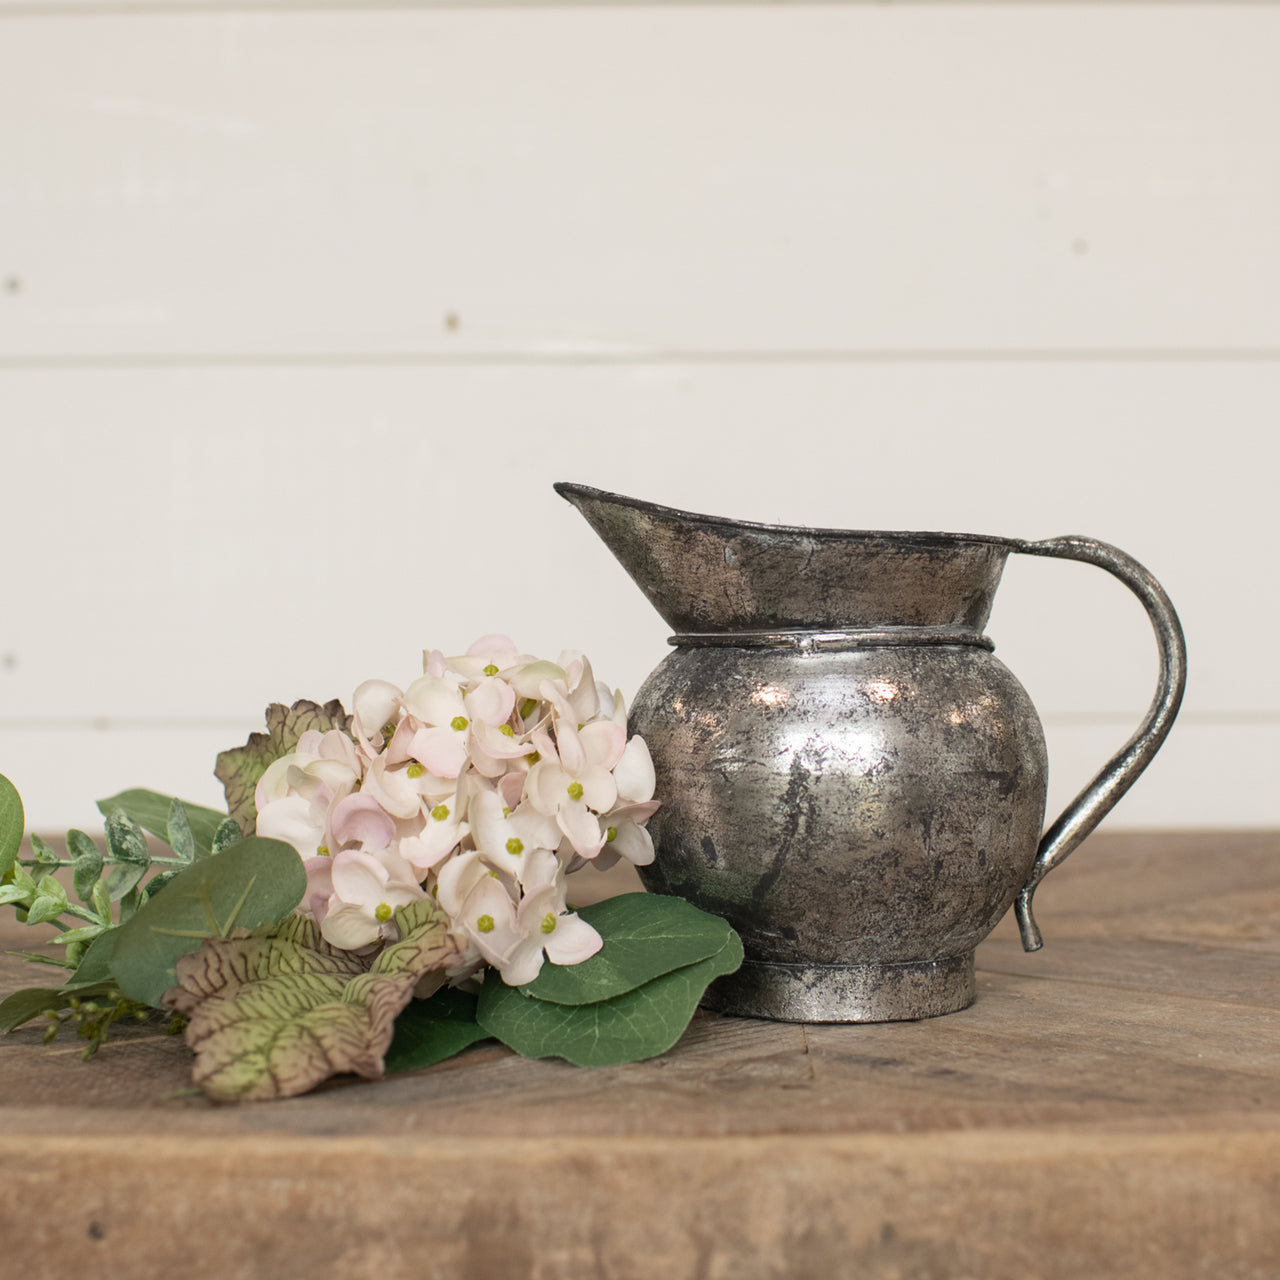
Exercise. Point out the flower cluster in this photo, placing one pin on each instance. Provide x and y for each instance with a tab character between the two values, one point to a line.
480	785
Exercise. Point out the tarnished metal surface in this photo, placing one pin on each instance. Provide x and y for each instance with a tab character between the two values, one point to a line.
848	774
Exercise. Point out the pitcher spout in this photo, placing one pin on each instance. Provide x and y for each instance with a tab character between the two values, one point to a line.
706	574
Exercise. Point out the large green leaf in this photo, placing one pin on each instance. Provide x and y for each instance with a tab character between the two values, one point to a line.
645	935
273	1015
641	1024
256	882
151	810
12	821
240	768
429	1031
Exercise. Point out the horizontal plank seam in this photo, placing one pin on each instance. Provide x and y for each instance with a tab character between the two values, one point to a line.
585	356
1000	1144
131	8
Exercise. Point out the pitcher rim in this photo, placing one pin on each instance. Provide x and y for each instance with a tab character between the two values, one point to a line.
569	489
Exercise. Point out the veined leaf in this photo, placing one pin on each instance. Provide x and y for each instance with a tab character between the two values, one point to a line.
150	810
641	1024
273	1015
240	768
12	821
645	935
256	882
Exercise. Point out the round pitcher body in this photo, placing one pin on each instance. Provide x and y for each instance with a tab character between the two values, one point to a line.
863	816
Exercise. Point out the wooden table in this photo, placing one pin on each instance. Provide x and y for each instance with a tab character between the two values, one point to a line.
1109	1107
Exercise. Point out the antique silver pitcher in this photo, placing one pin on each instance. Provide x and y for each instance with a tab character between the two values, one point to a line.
847	773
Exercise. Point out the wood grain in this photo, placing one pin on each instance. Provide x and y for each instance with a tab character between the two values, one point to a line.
1109	1107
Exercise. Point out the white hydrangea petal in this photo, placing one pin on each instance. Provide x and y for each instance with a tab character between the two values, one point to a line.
634	772
491	701
375	703
434	701
572	940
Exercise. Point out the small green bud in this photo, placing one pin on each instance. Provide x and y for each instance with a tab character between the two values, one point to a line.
416	770
548	924
322	851
382	913
611	835
506	730
458	723
575	790
528	707
515	846
440	812
491	670
485	924
533	759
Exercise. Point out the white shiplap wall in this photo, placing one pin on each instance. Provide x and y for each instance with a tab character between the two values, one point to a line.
303	308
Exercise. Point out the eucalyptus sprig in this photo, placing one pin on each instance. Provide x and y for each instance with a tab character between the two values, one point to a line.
110	886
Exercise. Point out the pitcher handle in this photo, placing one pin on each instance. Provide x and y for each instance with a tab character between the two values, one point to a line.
1122	770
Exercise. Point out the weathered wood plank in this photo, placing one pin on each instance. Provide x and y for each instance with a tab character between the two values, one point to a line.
1112	1109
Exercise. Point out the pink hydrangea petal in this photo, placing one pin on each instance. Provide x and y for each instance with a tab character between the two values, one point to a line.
360	818
604	742
491	701
511	787
443	752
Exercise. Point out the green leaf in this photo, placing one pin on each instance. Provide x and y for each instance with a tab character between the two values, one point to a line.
30	1003
641	1024
87	868
645	935
22	880
240	768
95	964
122	879
41	853
83	934
12	822
150	810
429	1031
102	901
49	903
10	893
273	1015
158	882
125	839
178	832
256	882
227	834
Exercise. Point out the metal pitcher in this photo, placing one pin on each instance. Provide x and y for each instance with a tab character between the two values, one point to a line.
847	773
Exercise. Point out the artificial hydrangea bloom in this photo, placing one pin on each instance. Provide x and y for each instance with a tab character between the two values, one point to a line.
480	784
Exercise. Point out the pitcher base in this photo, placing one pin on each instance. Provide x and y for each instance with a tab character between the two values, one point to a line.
845	993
